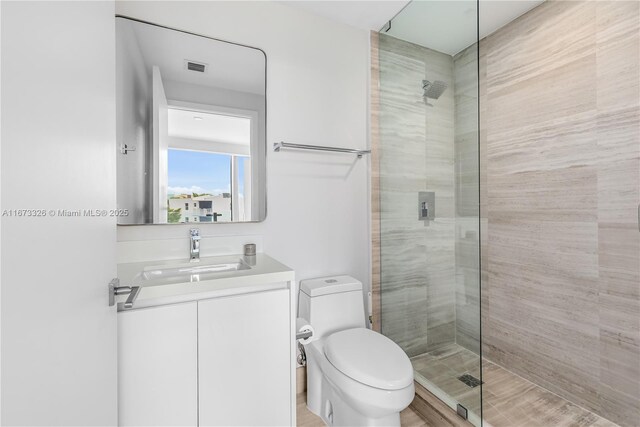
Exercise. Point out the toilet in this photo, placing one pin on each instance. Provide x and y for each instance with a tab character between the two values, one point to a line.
355	376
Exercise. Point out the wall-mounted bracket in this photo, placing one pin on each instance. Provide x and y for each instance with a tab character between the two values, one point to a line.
116	289
124	149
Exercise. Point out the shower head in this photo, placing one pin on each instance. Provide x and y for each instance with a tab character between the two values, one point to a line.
433	90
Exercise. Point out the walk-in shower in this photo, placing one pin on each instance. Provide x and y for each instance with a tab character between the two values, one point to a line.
428	159
516	138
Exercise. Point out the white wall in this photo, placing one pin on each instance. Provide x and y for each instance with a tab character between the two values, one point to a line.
133	124
58	135
317	203
187	92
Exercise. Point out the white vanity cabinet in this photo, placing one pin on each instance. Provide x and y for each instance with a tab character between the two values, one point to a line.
244	352
208	349
158	366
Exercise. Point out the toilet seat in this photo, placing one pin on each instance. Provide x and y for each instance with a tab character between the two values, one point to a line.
369	358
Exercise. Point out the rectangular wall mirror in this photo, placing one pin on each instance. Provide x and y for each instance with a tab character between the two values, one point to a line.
191	126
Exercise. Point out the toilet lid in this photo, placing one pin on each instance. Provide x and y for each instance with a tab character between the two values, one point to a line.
370	358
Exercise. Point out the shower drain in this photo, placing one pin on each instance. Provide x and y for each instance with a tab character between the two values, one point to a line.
470	380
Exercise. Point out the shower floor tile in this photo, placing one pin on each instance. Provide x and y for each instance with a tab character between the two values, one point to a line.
508	400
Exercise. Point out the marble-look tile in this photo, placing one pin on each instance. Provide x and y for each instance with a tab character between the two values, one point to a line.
403	290
618	54
466	149
416	153
507	399
560	141
618	88
410	418
563	195
542	239
375	180
544	98
443	367
306	418
511	399
543	288
485	303
550	36
619	262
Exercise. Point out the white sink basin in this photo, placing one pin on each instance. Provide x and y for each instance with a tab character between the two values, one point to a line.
191	272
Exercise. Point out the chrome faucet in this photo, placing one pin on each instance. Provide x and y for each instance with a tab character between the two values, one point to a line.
194	251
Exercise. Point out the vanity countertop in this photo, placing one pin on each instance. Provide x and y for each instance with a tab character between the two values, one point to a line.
265	273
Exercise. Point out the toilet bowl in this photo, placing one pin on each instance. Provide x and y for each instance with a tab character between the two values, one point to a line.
355	376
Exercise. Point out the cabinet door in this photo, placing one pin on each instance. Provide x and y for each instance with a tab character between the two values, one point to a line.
244	355
158	366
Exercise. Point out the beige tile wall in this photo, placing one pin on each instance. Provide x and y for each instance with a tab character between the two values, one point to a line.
374	100
466	166
560	119
416	153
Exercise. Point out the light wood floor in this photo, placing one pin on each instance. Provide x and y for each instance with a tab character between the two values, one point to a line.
507	399
408	417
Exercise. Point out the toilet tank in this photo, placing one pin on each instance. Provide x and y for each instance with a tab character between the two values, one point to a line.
332	304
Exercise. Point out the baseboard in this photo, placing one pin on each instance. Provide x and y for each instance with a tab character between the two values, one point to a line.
434	411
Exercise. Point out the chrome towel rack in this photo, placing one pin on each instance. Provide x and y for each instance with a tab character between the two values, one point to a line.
277	146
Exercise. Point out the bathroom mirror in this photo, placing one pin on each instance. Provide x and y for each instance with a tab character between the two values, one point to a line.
191	125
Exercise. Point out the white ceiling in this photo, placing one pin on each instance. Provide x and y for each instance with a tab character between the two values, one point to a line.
209	127
229	66
447	26
365	14
450	26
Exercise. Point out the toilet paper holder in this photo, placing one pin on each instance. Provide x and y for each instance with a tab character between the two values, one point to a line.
303	335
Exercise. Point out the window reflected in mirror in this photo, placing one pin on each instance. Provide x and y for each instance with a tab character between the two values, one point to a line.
208	152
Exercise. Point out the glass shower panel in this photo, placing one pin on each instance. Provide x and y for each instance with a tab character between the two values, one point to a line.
429	196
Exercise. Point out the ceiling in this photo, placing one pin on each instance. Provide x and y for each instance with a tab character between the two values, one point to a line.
209	127
447	26
366	15
229	66
450	26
